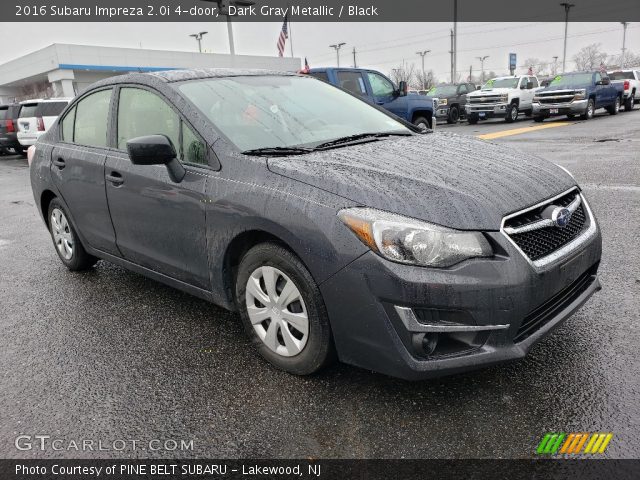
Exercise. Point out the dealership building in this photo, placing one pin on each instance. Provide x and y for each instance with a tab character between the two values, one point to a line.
63	70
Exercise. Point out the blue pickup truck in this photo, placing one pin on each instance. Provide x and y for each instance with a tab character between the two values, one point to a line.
379	90
578	93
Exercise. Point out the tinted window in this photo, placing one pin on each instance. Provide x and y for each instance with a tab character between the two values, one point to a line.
4	113
352	81
321	76
28	110
67	126
621	76
141	113
534	81
50	109
193	150
462	90
380	86
92	114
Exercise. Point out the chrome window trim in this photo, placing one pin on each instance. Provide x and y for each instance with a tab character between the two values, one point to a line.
574	244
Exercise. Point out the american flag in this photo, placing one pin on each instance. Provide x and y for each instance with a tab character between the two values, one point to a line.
530	72
282	39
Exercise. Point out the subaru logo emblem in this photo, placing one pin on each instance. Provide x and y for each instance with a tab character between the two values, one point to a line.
561	216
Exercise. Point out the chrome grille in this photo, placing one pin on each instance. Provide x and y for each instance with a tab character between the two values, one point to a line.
485	99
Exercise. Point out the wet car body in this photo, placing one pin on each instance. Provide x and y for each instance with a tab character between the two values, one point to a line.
408	321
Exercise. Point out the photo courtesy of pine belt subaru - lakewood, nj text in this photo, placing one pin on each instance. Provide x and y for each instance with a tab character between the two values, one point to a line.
334	228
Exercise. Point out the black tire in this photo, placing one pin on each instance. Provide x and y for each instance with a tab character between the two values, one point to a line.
473	119
615	108
529	113
454	114
319	350
512	113
79	259
629	103
538	118
422	123
589	111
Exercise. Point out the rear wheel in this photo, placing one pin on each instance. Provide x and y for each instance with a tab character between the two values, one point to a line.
588	113
65	239
512	113
283	311
629	103
615	108
454	114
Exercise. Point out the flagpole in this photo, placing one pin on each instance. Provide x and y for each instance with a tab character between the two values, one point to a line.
290	37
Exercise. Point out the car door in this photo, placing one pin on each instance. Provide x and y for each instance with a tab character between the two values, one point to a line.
159	224
526	93
383	92
601	91
77	168
461	97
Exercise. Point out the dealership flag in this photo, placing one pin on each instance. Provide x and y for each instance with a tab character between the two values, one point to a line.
282	39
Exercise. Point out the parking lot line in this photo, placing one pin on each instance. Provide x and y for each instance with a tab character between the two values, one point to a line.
518	131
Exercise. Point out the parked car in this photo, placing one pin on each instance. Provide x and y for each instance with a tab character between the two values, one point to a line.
36	117
377	89
9	127
502	97
331	226
452	99
630	80
577	93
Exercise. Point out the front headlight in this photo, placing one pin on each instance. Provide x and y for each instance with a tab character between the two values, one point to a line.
405	240
504	97
443	101
580	94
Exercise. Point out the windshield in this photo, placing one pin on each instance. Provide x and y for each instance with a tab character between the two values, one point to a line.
502	83
571	79
444	90
621	76
284	111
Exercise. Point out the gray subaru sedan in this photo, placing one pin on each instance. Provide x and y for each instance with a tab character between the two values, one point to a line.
334	228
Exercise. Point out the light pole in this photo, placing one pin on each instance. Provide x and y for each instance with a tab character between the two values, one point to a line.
555	65
624	41
567	7
337	48
482	59
198	36
424	78
223	8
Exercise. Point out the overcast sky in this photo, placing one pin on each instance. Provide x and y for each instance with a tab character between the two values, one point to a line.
381	46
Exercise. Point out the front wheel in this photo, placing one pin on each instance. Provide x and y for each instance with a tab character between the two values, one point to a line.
65	239
570	116
422	123
588	113
473	118
512	113
283	311
538	119
454	114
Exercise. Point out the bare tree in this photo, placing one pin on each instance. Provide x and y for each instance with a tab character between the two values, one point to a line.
630	60
403	73
590	57
428	80
538	66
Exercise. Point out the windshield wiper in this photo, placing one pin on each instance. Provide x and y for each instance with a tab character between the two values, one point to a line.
359	136
278	151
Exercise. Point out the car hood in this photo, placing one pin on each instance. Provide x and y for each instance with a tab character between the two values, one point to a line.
490	91
442	178
552	88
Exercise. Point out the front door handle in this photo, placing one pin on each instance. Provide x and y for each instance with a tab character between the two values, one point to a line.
59	162
115	178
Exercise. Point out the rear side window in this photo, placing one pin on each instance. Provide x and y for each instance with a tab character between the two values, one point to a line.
28	110
67	126
321	76
352	82
50	109
92	114
141	113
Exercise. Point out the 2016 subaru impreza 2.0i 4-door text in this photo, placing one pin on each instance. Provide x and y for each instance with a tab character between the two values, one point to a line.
333	227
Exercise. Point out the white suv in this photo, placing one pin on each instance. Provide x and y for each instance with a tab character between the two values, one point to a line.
631	84
37	116
502	97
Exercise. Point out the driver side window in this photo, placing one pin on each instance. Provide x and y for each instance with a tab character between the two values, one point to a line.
380	86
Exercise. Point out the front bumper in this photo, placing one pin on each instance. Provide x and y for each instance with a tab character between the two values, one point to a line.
576	107
487	110
510	305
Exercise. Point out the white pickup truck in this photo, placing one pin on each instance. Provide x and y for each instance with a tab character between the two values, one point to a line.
631	80
502	97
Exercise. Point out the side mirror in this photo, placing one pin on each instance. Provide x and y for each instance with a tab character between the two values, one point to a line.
156	150
402	88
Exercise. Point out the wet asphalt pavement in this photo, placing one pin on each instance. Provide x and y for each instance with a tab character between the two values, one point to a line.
109	355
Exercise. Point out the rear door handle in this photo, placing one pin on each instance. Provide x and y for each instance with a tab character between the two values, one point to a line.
115	178
59	162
